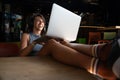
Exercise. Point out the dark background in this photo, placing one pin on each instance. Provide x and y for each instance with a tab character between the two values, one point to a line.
107	10
95	13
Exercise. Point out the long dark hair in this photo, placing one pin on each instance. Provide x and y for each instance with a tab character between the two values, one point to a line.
30	23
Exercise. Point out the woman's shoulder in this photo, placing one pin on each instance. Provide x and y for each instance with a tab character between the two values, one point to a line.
25	35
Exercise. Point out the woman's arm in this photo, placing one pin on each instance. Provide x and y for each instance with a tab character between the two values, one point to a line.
25	47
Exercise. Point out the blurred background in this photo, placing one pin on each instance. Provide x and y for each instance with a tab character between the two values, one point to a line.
14	14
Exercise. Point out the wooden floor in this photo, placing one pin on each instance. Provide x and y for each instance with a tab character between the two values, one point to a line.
39	68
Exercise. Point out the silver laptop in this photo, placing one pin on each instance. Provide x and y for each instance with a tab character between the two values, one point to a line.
63	23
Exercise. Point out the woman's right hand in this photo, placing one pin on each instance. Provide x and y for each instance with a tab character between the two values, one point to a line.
40	40
44	39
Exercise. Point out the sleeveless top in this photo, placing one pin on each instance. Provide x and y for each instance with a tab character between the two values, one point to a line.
37	47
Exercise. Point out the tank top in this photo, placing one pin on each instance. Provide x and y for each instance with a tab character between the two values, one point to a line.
37	47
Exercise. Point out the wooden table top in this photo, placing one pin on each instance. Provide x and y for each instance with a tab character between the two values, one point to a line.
39	68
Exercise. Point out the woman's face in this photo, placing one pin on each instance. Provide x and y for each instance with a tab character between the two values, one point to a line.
39	23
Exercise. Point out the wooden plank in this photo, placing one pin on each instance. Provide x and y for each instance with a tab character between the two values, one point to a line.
39	68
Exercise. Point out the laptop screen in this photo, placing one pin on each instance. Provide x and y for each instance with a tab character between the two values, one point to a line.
63	23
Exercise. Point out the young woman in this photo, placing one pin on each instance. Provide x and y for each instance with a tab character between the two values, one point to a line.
33	32
101	59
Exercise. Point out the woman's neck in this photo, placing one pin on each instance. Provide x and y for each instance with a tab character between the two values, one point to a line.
37	32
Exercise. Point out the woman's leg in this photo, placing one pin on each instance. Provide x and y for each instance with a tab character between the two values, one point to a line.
100	51
65	54
84	48
72	57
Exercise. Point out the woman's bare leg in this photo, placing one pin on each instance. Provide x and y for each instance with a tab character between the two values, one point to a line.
65	54
87	49
100	50
72	57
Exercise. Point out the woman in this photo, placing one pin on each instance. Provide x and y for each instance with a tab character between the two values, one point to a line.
34	31
96	59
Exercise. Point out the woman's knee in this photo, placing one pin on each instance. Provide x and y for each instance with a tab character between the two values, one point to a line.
52	42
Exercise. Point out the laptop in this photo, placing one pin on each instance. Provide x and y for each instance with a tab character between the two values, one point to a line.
63	23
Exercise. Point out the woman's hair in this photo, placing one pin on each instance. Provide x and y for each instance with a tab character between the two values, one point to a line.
30	23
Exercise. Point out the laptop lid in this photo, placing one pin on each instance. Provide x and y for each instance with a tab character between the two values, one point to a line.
63	23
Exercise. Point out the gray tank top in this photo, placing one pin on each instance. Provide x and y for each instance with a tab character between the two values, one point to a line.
37	47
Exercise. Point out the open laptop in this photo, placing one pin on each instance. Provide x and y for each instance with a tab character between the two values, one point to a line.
63	23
